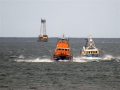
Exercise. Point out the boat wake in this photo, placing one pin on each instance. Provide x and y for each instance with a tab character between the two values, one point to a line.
104	58
78	59
34	60
110	57
75	59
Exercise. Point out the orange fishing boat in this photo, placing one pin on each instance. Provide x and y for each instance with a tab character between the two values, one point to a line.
62	50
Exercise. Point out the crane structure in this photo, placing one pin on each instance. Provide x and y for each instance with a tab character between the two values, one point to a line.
43	37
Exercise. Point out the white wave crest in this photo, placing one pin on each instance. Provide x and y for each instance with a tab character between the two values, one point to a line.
108	57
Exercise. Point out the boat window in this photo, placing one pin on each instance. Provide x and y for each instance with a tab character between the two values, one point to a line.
62	49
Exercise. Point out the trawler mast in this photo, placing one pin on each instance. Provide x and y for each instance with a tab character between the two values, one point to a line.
90	43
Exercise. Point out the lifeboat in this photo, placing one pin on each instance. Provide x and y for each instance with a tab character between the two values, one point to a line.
62	50
89	51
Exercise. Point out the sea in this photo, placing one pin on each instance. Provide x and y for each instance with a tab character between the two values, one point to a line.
25	65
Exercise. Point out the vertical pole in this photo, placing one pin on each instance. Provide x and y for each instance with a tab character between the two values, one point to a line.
40	29
44	27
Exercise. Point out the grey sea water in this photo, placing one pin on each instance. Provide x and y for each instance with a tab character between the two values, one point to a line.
25	65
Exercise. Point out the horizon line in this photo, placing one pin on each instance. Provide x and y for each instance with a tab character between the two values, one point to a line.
59	37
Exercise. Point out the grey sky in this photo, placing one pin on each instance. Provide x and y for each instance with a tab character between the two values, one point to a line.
74	18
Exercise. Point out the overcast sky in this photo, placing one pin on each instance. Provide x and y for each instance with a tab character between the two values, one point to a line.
74	18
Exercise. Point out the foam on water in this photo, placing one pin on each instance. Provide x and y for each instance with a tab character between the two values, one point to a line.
107	57
78	59
48	60
75	59
34	60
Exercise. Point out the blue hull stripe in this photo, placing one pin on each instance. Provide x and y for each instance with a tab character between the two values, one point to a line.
91	55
